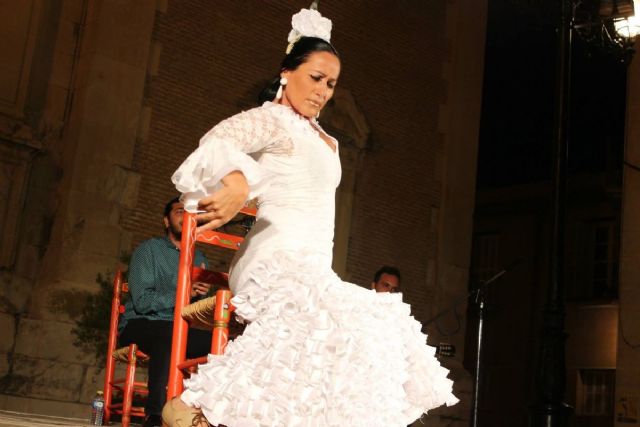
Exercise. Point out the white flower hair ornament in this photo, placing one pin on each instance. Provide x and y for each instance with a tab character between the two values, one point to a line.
309	23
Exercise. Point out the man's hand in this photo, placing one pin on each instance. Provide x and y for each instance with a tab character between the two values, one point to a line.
225	203
199	289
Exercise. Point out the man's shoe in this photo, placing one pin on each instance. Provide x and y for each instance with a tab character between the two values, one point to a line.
152	421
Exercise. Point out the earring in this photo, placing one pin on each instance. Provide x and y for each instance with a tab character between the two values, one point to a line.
283	83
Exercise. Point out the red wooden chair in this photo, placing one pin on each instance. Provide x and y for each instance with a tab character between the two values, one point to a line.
218	308
127	386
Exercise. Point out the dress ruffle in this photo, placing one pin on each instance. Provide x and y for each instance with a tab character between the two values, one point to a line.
319	352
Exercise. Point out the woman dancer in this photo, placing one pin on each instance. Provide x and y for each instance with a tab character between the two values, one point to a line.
317	351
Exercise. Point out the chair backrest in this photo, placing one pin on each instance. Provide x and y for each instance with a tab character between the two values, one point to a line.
183	289
117	308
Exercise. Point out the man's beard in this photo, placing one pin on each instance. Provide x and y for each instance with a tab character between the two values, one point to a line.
176	231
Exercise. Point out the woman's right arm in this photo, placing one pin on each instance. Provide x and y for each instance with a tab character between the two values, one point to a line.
225	203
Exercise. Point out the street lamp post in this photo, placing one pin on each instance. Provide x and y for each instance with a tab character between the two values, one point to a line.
550	410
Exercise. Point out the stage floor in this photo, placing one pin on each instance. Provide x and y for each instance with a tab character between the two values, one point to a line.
19	419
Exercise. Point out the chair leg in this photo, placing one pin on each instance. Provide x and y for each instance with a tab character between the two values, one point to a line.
127	394
108	390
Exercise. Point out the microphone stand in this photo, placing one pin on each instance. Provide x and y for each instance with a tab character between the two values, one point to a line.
478	292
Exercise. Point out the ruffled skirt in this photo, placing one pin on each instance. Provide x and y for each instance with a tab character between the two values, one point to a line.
319	352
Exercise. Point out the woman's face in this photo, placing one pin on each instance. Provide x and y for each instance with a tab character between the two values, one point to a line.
311	85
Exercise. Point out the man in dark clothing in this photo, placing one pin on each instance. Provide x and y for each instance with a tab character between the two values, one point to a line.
148	317
387	279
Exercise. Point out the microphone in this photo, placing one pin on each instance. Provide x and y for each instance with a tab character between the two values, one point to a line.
516	262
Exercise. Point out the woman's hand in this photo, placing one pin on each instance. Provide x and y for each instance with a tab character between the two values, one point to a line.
225	203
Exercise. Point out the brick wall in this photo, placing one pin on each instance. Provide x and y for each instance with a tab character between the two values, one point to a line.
213	61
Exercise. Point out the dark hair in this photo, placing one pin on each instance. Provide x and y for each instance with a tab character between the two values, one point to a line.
169	205
298	55
386	270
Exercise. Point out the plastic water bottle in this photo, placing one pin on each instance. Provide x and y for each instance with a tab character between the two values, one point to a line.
97	409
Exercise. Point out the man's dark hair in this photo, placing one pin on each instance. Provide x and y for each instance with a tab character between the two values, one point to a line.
169	205
387	270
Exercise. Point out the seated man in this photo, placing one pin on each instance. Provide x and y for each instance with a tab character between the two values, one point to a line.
387	279
148	317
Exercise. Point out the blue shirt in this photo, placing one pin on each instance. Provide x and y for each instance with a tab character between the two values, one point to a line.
152	277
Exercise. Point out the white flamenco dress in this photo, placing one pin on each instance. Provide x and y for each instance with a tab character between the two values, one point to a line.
317	351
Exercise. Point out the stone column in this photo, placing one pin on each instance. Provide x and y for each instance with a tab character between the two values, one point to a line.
628	368
94	103
452	221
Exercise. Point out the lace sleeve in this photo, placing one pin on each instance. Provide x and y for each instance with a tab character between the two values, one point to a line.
226	148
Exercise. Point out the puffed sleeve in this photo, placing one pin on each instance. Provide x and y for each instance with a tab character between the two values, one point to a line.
226	148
